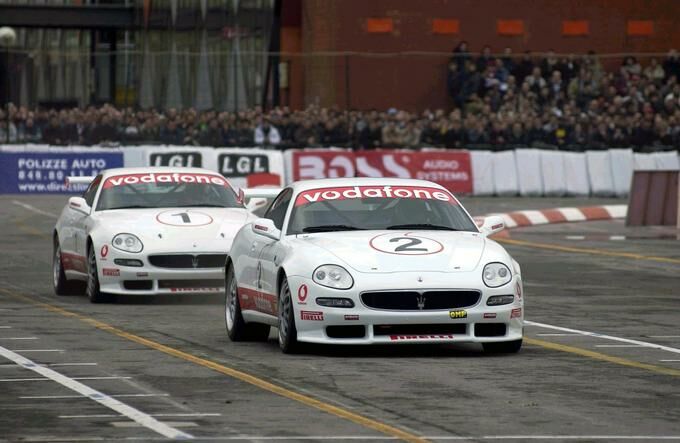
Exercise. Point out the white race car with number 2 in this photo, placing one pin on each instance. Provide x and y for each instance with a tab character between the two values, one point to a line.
148	231
372	261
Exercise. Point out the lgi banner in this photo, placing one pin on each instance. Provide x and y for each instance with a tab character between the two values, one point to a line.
46	172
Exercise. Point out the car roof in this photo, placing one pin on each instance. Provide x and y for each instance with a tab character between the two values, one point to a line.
158	170
304	185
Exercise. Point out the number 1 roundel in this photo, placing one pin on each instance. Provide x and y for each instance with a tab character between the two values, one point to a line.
405	244
178	217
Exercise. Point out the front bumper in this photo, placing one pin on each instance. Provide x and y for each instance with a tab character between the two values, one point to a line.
363	325
151	280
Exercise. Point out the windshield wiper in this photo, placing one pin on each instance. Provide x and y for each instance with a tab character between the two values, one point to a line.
425	226
330	228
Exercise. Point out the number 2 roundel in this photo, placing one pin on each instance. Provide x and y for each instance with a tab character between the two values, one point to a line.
405	244
177	217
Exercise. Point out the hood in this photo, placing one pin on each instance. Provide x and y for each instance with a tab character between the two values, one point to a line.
402	251
206	229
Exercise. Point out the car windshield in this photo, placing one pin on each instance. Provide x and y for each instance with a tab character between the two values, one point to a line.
377	208
166	190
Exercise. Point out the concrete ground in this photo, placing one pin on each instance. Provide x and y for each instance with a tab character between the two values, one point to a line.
601	359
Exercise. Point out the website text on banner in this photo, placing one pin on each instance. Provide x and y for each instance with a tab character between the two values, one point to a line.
46	172
450	169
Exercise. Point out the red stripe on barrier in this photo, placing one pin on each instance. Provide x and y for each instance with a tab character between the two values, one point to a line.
554	216
520	219
595	213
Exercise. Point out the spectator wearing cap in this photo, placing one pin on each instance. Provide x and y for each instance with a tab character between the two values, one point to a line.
266	134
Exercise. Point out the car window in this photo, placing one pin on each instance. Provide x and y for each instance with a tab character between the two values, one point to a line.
277	210
91	190
377	208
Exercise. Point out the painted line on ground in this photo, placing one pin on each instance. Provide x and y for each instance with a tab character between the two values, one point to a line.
18	338
9	380
234	373
34	209
605	337
62	397
187	414
39	350
101	398
619	346
246	437
669	360
590	251
603	357
48	365
558	335
664	336
5	327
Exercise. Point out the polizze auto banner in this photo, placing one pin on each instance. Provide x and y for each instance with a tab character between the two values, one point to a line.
450	169
46	172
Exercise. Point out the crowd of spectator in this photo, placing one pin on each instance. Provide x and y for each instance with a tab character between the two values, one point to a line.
551	101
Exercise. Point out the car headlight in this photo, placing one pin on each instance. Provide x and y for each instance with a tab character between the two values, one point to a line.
127	243
333	276
496	274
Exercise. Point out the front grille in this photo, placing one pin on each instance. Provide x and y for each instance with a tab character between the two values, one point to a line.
424	329
420	301
169	284
138	285
188	261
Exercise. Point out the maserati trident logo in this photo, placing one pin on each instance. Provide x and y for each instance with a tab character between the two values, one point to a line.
194	261
421	302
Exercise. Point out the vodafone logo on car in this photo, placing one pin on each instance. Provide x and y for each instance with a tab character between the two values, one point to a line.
360	192
175	177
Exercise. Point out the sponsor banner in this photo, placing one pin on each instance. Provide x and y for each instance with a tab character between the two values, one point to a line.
188	158
46	172
175	177
451	169
321	163
361	192
237	164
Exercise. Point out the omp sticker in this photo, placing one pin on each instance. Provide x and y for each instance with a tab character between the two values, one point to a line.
420	337
516	313
360	192
186	218
302	293
458	314
175	177
405	244
104	251
111	272
311	315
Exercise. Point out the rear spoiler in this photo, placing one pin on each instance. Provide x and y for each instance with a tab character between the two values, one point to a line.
78	180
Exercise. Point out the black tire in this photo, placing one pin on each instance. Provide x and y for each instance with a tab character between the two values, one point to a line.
287	331
503	347
92	289
237	328
61	285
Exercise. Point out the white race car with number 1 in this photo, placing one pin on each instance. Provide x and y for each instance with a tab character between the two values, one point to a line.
372	261
144	231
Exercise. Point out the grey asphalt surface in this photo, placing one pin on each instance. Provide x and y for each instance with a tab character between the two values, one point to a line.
562	392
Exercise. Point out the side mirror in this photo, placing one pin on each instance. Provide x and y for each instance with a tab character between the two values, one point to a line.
79	204
266	228
492	225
